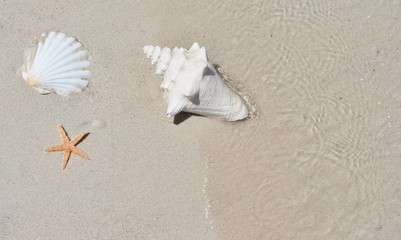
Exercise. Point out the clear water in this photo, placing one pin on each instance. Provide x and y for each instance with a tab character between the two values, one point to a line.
322	159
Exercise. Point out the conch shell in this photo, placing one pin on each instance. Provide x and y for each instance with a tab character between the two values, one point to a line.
192	84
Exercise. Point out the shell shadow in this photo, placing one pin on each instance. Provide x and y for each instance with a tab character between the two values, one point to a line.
183	116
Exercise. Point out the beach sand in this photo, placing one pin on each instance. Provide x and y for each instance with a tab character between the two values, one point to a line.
144	179
320	159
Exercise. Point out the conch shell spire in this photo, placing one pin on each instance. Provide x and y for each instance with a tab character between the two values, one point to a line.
160	56
192	84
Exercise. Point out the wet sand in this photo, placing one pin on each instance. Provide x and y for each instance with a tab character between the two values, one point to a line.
321	160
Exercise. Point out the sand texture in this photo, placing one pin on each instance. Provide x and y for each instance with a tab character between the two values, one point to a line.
145	176
319	160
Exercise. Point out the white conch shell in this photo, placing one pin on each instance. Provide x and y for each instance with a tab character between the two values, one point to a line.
59	66
192	84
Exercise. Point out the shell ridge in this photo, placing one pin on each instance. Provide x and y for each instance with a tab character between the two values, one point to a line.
68	43
55	54
44	65
46	46
69	67
69	74
77	56
52	47
38	50
68	53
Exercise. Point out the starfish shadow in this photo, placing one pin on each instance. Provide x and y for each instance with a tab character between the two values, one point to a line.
83	137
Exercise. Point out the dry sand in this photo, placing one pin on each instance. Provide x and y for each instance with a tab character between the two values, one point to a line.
145	176
321	160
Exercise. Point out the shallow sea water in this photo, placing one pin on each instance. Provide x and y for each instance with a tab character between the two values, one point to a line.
322	158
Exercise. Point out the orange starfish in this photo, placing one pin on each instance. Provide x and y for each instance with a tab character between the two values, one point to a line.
68	146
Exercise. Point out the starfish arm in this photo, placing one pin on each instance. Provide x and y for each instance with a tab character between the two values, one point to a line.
77	138
80	153
66	156
55	148
63	134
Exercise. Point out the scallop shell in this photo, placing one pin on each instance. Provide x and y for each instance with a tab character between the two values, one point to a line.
59	65
192	84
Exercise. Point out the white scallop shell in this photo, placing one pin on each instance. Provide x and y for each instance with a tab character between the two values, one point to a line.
192	84
59	66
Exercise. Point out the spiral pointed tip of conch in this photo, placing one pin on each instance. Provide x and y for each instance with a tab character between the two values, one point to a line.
158	56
